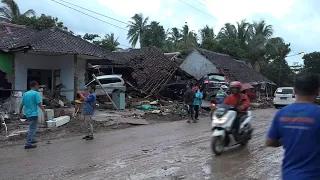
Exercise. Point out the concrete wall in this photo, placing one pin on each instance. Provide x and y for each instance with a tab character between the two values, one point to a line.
197	65
81	73
23	62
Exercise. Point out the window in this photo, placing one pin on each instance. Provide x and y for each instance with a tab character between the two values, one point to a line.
284	91
217	78
105	81
109	80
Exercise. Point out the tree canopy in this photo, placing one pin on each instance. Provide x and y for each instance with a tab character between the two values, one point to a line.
250	41
11	10
312	62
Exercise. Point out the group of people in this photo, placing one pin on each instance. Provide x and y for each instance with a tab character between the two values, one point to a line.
192	98
31	103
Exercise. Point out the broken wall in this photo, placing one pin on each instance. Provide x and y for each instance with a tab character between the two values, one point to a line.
23	62
6	65
197	65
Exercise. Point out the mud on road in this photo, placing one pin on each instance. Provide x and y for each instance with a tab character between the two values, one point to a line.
174	150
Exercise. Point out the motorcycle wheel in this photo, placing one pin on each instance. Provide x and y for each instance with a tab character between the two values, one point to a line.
217	145
244	143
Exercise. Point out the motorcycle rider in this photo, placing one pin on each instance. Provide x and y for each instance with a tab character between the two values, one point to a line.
221	95
240	101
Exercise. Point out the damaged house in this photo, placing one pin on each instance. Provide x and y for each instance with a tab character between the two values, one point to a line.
51	57
201	62
146	70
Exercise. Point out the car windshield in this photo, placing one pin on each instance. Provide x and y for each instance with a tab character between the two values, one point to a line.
284	91
217	78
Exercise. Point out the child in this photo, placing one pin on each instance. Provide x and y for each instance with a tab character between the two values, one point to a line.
89	106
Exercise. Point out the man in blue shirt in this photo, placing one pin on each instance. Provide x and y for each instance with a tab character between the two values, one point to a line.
197	103
297	128
31	100
89	107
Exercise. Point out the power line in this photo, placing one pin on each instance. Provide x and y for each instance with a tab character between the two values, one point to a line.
94	18
200	3
197	9
95	12
89	15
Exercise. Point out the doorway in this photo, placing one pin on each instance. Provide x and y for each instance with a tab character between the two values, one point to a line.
43	77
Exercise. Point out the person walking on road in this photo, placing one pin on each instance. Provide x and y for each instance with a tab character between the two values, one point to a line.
297	128
31	101
189	96
89	107
197	103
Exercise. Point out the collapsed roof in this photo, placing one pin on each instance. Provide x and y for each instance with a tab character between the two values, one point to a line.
234	69
151	68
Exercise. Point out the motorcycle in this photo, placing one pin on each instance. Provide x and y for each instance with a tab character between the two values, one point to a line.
223	135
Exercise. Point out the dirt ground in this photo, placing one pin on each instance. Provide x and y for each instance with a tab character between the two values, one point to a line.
76	128
160	151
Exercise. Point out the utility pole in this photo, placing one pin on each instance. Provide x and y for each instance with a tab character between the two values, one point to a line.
280	67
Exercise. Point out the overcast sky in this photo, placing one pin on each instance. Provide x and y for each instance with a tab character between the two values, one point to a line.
297	21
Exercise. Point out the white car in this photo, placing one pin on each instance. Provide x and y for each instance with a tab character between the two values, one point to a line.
283	96
110	84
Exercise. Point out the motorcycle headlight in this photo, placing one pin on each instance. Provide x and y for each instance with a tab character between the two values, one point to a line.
220	121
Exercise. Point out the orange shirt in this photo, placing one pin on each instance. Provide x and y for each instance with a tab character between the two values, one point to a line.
235	100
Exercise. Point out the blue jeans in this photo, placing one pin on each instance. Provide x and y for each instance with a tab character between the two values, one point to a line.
33	121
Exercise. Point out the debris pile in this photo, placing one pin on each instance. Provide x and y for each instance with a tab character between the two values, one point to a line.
53	99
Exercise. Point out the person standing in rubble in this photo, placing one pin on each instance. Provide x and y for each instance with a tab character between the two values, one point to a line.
189	96
89	107
31	101
197	102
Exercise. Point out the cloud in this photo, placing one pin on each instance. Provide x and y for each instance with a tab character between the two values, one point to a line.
129	7
232	11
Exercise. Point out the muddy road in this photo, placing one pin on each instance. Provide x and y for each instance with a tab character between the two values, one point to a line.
174	150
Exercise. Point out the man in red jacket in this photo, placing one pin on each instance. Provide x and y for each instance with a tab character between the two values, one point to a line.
240	101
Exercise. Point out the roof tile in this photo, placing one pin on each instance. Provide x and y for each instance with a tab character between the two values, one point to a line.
12	35
235	69
151	67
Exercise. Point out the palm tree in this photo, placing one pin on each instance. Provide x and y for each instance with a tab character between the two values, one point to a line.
254	39
109	42
243	29
175	35
136	29
185	33
11	10
260	33
239	33
170	46
229	31
190	38
112	41
207	37
207	32
259	43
